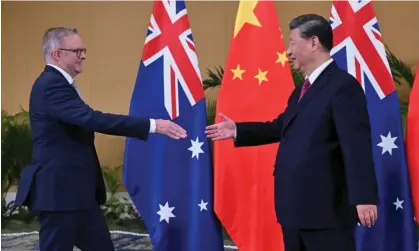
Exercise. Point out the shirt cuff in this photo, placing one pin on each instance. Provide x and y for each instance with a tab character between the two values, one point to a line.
152	126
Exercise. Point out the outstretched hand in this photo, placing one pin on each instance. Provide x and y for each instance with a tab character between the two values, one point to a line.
223	130
170	129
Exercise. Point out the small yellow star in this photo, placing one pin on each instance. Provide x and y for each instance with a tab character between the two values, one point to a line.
282	58
238	72
281	33
261	76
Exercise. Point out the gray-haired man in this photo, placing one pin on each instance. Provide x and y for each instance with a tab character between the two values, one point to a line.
64	183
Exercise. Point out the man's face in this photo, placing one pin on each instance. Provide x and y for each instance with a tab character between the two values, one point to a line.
299	50
71	54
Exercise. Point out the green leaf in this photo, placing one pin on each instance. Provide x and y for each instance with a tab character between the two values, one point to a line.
211	110
214	78
297	77
399	69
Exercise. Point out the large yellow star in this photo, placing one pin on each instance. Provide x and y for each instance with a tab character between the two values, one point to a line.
261	76
237	73
245	15
282	58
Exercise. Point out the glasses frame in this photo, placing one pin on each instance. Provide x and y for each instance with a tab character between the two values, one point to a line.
77	51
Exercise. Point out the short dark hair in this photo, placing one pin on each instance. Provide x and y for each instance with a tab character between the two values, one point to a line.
314	25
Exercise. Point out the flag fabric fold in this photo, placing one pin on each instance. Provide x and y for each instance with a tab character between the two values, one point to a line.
256	85
358	48
171	181
412	143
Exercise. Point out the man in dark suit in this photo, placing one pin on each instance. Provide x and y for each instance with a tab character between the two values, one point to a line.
324	171
64	184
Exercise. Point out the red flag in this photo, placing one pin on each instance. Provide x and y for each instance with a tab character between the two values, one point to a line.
412	143
255	87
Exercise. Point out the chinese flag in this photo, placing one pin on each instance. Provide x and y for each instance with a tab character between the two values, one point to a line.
256	86
412	143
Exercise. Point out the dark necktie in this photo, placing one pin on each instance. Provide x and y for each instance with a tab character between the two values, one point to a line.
304	89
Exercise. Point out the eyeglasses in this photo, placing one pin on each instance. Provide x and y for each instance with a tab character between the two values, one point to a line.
77	51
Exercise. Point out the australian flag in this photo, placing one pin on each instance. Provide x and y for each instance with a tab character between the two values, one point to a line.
171	181
358	48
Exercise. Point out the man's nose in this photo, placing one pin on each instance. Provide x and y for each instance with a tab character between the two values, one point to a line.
82	54
288	52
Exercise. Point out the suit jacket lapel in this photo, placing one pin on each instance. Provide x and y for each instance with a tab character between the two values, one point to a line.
315	87
52	69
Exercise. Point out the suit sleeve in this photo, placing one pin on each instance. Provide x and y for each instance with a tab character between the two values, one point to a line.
261	133
353	128
63	104
258	133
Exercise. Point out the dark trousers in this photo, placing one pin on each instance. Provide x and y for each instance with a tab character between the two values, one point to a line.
319	239
85	229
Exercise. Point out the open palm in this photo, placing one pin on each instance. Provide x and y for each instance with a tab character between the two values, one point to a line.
223	130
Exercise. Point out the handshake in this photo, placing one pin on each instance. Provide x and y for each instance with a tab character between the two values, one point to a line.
223	130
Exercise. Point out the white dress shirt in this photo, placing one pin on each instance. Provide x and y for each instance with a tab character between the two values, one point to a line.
316	73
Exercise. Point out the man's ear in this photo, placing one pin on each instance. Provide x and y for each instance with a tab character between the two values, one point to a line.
56	54
315	43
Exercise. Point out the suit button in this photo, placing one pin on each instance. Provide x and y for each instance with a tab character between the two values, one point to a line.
284	141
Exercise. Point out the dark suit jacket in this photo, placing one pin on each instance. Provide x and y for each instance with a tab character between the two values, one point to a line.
324	165
65	173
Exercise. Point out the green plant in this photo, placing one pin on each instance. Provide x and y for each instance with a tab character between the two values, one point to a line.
112	178
211	110
214	78
402	74
297	77
16	152
116	209
400	70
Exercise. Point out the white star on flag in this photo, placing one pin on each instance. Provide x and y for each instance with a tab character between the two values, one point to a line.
387	143
196	148
398	203
203	205
165	212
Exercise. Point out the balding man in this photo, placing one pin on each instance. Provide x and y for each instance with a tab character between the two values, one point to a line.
64	183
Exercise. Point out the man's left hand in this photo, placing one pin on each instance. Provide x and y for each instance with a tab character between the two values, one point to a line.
367	214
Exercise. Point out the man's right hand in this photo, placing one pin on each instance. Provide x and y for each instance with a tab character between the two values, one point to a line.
170	129
222	130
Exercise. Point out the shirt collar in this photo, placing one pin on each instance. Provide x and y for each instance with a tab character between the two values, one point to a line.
316	73
65	74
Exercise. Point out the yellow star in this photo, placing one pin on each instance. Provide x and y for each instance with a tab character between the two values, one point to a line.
282	58
245	15
261	76
238	72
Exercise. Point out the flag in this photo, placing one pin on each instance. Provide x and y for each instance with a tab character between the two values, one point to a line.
256	86
412	143
358	48
171	181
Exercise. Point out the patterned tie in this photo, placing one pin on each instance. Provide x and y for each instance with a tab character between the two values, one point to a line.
304	89
76	87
